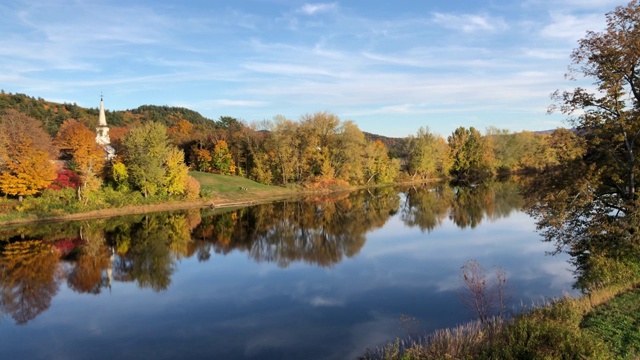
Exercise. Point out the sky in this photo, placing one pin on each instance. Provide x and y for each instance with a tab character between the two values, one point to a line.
389	66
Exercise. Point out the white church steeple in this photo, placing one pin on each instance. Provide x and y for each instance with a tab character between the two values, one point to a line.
102	131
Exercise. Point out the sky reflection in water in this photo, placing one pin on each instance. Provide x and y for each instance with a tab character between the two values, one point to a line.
285	305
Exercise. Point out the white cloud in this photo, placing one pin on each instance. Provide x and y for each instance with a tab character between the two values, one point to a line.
546	54
288	69
320	301
312	9
469	23
572	27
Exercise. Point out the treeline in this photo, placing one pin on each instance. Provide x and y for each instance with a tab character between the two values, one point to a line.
157	144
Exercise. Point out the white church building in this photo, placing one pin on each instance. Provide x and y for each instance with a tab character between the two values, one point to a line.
102	133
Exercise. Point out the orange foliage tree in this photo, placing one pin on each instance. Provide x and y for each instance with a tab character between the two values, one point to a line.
181	133
79	143
26	165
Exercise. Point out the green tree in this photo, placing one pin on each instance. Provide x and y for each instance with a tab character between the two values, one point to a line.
378	166
145	150
421	161
472	154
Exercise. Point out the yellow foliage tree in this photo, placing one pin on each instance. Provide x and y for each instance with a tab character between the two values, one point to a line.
222	160
177	172
27	150
27	172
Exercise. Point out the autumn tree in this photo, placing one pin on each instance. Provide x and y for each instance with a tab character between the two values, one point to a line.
347	152
589	205
471	153
26	156
145	150
201	159
221	159
176	172
120	176
428	155
282	149
378	167
29	278
181	133
78	143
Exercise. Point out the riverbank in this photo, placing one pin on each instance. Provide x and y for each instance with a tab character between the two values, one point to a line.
601	325
220	192
217	191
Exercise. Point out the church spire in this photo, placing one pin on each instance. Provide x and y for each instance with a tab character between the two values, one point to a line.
102	119
102	131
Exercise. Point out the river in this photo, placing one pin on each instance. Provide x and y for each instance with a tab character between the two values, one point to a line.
323	278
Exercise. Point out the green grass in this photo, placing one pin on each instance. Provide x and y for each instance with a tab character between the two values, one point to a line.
617	322
236	188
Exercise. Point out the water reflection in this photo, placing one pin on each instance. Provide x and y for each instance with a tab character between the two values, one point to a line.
30	278
147	249
427	207
320	231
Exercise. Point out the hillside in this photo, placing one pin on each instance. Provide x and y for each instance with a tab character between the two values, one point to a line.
52	114
396	146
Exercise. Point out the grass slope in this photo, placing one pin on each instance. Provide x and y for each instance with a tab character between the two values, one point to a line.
225	188
617	322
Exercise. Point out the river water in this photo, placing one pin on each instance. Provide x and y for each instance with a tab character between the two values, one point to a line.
323	278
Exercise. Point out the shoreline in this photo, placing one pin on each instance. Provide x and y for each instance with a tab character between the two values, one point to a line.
258	197
145	209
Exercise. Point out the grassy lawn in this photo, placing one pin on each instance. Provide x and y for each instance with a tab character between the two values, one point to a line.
237	189
617	323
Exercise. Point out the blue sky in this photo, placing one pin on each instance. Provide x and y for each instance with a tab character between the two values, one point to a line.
390	66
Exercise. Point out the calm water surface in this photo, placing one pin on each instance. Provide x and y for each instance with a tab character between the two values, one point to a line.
325	278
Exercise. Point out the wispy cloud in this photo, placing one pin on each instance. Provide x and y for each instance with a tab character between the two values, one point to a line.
571	27
246	61
320	301
469	23
316	8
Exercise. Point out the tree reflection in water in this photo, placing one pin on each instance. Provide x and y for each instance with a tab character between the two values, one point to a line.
30	278
145	249
427	207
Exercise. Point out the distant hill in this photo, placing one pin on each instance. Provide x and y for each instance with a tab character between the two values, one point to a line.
396	146
49	113
52	114
551	131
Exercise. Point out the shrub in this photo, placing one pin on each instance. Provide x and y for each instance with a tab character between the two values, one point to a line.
192	188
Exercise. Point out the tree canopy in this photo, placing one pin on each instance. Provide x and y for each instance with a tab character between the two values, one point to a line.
588	205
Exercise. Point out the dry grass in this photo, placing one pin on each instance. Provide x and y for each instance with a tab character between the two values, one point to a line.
550	330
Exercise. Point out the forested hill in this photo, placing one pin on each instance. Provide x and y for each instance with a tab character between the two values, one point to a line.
52	114
397	146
